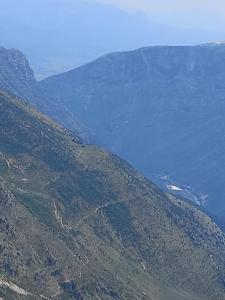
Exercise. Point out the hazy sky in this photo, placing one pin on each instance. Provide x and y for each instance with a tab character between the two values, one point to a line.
151	6
57	35
169	5
205	14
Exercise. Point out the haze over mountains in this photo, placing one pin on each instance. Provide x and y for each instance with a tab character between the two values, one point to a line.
70	33
161	108
112	177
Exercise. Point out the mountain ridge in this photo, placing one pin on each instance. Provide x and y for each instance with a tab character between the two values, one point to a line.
159	108
17	77
56	43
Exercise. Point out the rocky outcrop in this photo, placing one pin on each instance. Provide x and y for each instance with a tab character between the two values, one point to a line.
17	77
14	60
7	198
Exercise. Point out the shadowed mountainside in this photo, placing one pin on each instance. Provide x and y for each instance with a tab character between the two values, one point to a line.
160	108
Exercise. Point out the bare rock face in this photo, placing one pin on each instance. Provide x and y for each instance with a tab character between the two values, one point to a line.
17	77
7	198
17	62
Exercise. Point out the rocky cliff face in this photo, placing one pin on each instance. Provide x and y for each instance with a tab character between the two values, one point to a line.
161	108
16	61
6	196
15	72
16	76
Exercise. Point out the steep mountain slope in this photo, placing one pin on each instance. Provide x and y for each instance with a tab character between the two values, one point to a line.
77	222
161	108
17	77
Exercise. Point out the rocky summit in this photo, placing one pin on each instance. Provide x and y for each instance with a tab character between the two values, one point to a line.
17	77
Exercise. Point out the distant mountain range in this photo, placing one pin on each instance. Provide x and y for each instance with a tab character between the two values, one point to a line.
77	222
160	108
70	33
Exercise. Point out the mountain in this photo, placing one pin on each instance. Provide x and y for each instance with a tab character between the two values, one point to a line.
17	77
160	108
58	34
77	222
16	74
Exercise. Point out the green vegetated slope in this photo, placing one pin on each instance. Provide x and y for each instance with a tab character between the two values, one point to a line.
77	222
